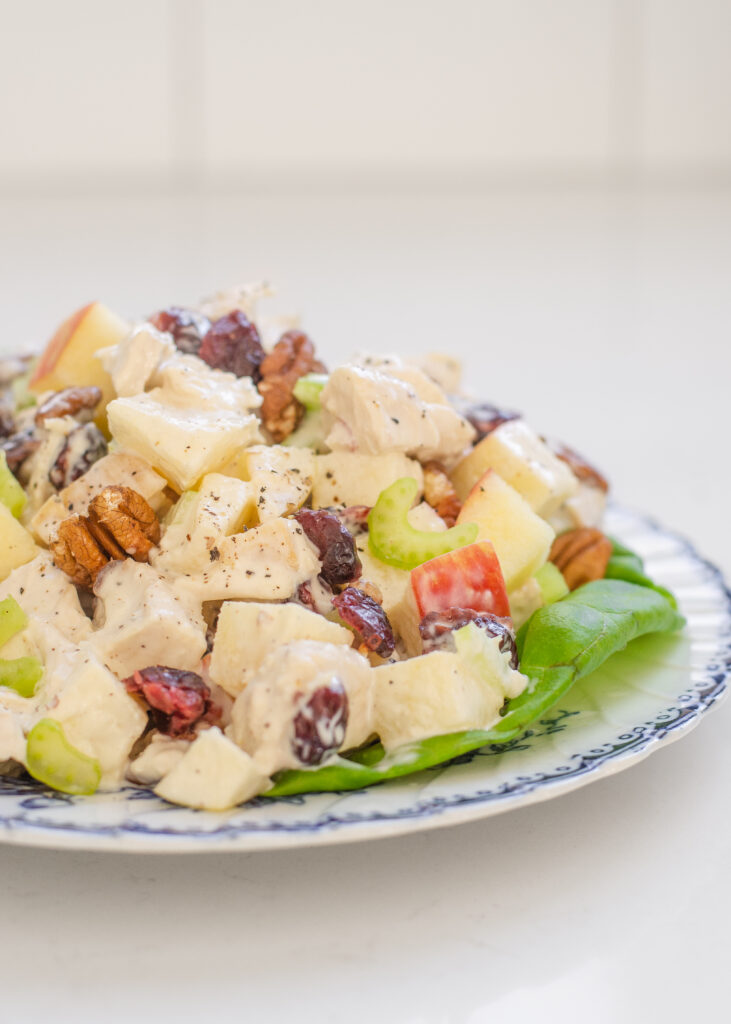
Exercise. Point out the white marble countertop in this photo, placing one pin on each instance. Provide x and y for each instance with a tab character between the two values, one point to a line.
605	316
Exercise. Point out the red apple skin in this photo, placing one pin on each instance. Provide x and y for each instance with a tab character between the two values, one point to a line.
469	577
58	343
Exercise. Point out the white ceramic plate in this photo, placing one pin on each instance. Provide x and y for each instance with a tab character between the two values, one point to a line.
646	696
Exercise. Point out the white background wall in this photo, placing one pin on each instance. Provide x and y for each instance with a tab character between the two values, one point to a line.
246	92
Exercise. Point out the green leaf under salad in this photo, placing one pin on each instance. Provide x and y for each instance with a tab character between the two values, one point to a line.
560	644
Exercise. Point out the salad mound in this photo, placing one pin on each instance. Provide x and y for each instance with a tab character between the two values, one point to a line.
228	572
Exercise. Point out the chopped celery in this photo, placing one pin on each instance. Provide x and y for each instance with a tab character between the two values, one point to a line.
11	493
553	586
307	390
12	619
182	508
309	434
23	397
395	541
21	675
51	759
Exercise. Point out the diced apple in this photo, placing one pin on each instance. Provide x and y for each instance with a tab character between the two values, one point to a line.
524	461
248	631
349	478
16	545
117	468
68	359
98	717
281	477
213	775
469	577
183	444
521	538
200	520
429	695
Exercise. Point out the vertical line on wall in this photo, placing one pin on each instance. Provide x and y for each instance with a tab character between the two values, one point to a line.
187	114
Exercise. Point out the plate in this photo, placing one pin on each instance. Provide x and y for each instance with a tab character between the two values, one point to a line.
644	697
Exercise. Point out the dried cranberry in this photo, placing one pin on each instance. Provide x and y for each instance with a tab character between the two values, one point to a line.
320	724
186	326
233	343
81	449
177	699
436	630
486	417
335	544
368	619
19	447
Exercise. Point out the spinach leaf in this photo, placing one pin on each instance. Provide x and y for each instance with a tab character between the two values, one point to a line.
626	565
560	644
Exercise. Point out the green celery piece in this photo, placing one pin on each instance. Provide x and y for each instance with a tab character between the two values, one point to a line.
559	645
308	389
12	619
51	759
11	493
309	434
23	397
625	565
183	507
393	540
553	586
21	674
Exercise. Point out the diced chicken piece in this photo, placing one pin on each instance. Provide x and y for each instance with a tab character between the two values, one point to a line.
98	716
267	563
350	478
186	382
143	621
200	520
376	414
133	362
118	468
213	775
281	478
47	595
248	631
264	713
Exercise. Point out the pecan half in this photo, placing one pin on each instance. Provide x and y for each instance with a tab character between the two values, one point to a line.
120	524
77	552
69	402
578	465
581	555
439	492
125	516
291	358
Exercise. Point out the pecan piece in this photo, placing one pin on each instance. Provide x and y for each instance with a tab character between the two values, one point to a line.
439	492
69	402
19	447
581	555
123	515
579	466
120	524
291	358
76	551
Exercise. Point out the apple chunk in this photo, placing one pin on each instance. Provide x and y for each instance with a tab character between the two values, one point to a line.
469	577
524	461
522	540
68	359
